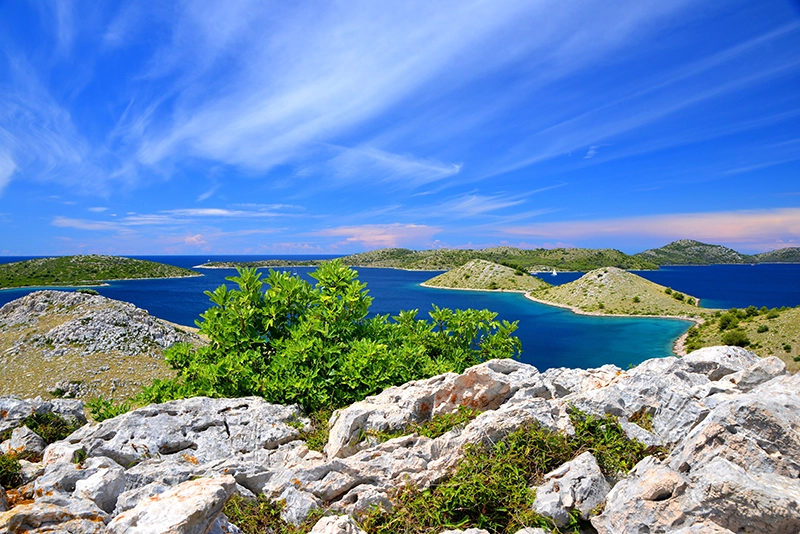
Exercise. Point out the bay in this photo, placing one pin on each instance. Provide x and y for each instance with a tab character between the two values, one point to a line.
551	337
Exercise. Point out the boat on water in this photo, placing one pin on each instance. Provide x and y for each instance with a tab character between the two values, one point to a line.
554	272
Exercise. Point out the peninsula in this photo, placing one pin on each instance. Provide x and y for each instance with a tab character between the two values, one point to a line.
485	275
83	270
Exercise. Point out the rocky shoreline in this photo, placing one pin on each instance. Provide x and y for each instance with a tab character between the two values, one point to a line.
730	420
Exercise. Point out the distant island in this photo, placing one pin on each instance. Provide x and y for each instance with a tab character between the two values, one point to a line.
690	252
682	252
610	291
83	271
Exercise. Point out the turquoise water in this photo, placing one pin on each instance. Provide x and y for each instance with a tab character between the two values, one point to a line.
551	337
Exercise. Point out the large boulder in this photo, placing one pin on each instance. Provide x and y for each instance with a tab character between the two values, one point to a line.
14	410
576	485
189	508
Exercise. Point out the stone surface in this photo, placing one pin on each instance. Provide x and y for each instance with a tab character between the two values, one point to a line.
189	508
103	485
342	524
3	500
577	485
200	429
66	516
23	440
13	410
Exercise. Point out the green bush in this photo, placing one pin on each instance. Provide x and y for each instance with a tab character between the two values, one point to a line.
691	301
763	328
316	345
728	321
668	291
636	299
101	408
10	471
51	427
736	338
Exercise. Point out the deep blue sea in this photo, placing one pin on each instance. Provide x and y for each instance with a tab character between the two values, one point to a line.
551	337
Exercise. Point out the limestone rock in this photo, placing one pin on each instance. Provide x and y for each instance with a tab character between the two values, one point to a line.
199	428
74	517
103	485
576	485
13	410
189	508
342	524
484	387
23	440
3	500
63	451
717	362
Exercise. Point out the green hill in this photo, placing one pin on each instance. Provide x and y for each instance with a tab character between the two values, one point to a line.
782	255
83	270
562	259
617	292
482	274
690	252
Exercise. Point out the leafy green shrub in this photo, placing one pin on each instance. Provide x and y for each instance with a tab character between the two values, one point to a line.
10	469
316	345
101	408
773	314
668	291
636	299
677	295
50	426
736	338
691	301
87	291
491	487
787	348
763	328
728	321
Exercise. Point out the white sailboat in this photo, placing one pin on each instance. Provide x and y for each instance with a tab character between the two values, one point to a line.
554	272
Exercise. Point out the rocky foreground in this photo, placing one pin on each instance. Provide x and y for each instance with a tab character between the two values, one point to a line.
731	421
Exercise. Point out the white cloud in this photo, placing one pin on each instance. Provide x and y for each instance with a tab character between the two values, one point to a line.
383	235
7	170
97	209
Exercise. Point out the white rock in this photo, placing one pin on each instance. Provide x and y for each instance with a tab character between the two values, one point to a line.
104	485
41	517
189	508
764	370
716	362
23	440
62	452
576	485
342	524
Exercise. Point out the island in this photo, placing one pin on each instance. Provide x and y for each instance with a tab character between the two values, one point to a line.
83	271
610	291
691	252
485	275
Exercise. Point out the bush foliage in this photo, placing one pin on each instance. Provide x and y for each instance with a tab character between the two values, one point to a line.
316	345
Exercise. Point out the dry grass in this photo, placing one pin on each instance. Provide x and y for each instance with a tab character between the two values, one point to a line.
616	292
485	275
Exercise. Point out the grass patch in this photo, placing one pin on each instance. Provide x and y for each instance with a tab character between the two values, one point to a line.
10	471
263	515
101	408
49	426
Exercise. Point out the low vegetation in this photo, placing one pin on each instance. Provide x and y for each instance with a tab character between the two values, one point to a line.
690	252
616	292
490	488
767	332
317	346
83	270
482	274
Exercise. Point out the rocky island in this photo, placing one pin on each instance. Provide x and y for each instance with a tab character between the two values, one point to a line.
83	270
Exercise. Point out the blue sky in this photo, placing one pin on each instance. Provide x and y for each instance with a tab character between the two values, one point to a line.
240	127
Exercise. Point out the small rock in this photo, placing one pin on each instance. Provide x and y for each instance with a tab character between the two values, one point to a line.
342	524
576	485
25	440
104	485
3	500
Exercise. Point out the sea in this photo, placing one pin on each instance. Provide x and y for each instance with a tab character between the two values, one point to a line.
551	336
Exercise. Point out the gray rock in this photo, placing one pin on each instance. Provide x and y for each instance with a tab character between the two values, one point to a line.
23	440
468	531
342	524
63	451
484	387
298	504
30	471
189	508
763	370
3	500
198	429
103	485
717	362
576	485
13	410
74	517
529	530
223	526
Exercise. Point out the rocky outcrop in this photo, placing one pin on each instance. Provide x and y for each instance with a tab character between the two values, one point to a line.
730	420
78	345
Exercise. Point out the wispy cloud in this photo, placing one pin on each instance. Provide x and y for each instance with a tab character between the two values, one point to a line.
97	209
383	235
7	169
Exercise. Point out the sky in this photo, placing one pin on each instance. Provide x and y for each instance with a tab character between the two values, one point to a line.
254	127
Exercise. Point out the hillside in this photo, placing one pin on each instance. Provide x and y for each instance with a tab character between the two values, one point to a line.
782	255
765	332
690	252
83	270
617	292
81	344
482	274
561	259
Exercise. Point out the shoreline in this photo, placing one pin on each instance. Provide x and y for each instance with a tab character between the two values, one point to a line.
678	346
101	283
